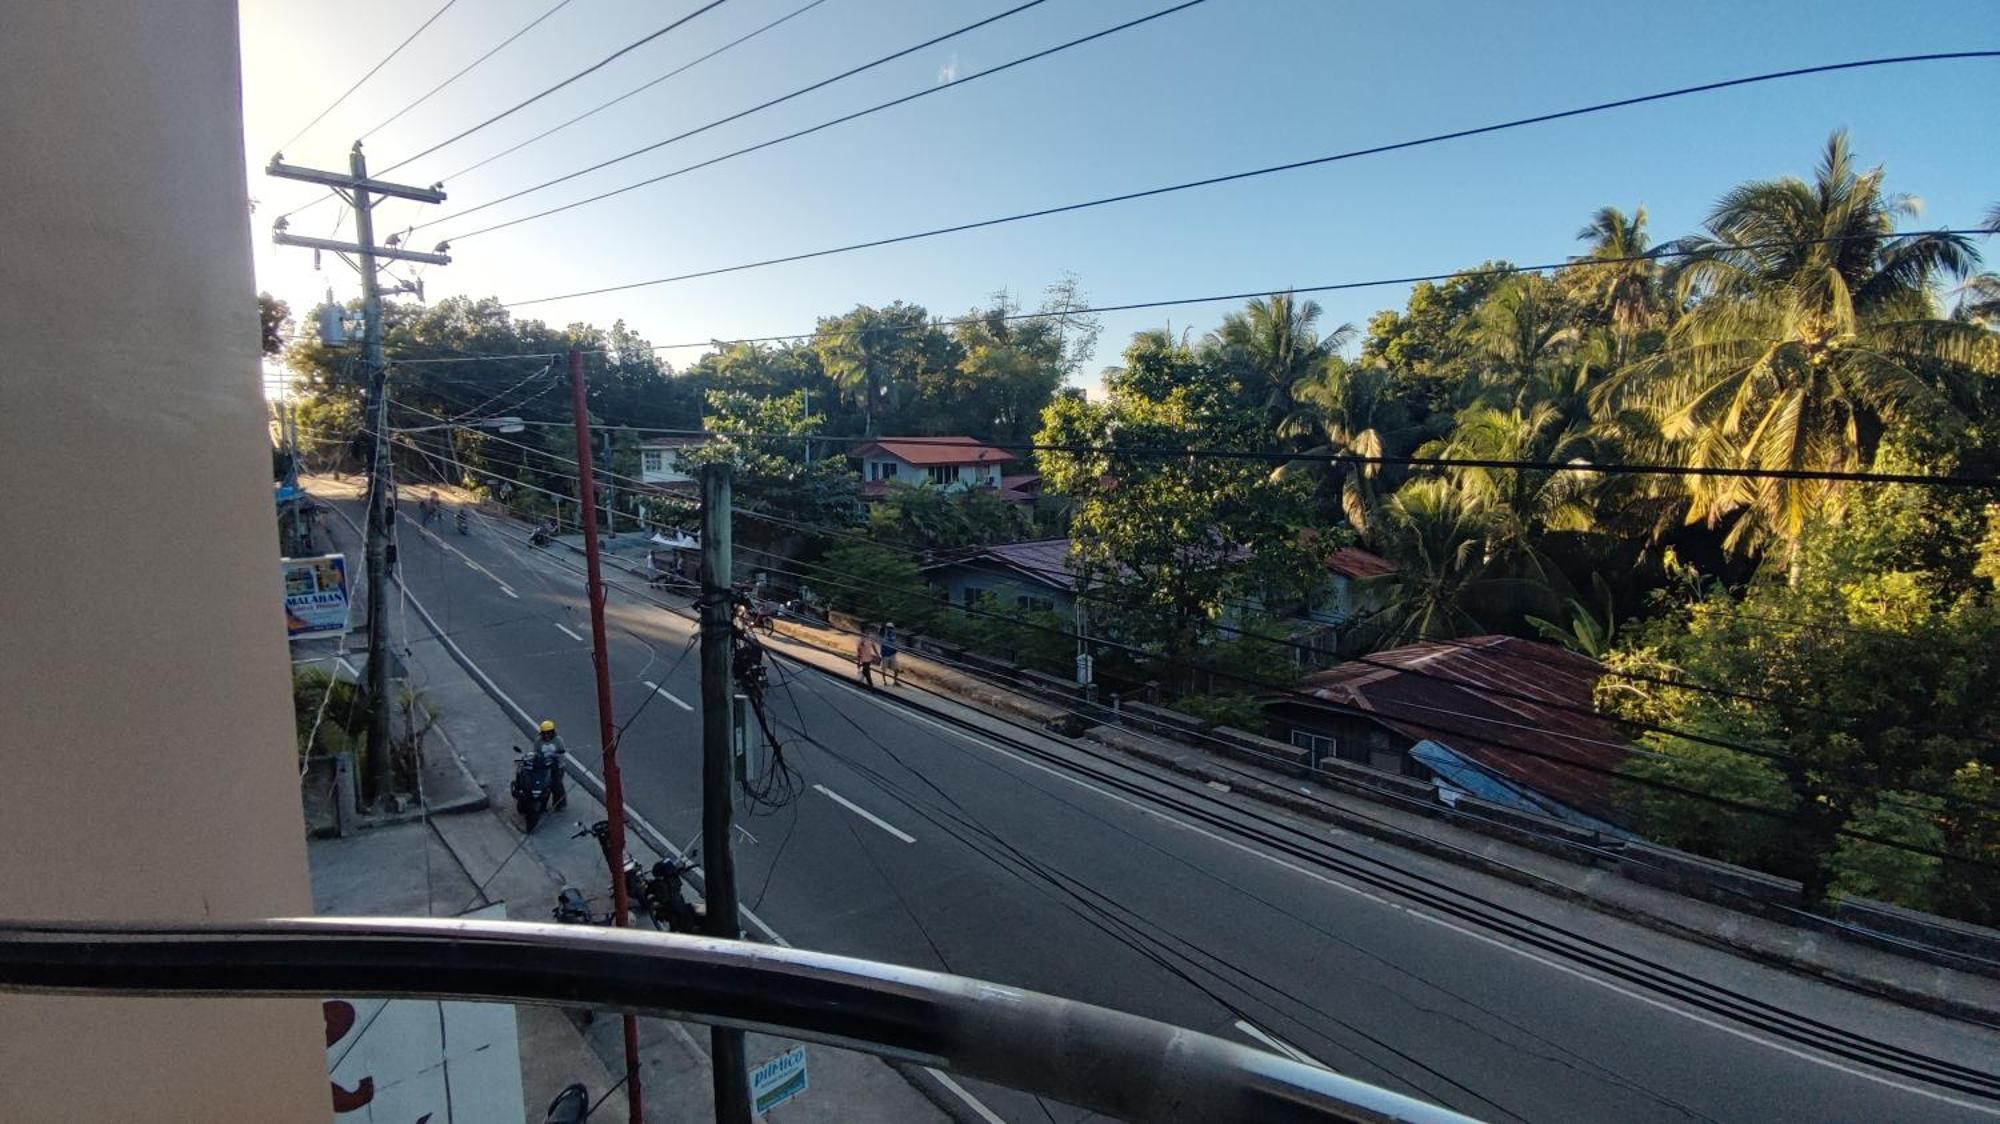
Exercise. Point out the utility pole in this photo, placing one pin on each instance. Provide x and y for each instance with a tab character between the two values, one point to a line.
360	193
725	1046
607	731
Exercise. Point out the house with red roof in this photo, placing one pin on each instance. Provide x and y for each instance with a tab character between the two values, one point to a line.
1498	717
938	462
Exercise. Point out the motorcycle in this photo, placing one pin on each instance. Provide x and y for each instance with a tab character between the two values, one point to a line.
661	892
532	784
572	908
541	535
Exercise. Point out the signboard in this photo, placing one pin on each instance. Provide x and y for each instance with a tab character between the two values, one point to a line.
399	1061
778	1080
315	596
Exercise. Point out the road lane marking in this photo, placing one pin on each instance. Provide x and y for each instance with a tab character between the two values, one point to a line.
1278	1045
865	814
567	632
466	558
662	691
1620	989
945	1080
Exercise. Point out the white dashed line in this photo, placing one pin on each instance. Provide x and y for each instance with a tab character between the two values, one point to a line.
567	632
865	814
664	693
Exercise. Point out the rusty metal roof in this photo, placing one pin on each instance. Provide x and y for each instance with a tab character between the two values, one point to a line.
923	451
1512	705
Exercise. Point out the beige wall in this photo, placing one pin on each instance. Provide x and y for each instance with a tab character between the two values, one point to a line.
145	730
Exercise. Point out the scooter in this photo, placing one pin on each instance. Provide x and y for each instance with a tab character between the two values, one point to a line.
541	535
532	785
661	893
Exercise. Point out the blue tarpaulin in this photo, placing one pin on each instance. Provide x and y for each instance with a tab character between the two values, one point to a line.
1475	779
285	493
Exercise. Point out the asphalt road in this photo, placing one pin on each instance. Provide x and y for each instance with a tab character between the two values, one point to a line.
1015	856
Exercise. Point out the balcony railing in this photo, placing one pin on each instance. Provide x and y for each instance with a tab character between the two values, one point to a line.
1107	1061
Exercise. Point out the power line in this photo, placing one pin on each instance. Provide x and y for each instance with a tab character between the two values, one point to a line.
821	84
1272	169
588	70
468	68
1662	254
738	41
925	92
365	77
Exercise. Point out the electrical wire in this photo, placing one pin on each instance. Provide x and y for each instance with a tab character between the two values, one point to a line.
602	106
362	80
1290	693
641	595
468	68
585	72
843	119
1293	165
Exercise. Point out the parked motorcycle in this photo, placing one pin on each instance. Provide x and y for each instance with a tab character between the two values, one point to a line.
532	784
662	892
572	908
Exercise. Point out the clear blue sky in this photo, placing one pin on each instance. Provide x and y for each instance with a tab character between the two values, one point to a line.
1227	85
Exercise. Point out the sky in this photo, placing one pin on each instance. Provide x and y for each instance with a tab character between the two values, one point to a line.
1224	86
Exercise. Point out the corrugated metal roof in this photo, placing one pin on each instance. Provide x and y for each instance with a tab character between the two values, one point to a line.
1444	692
1354	562
925	451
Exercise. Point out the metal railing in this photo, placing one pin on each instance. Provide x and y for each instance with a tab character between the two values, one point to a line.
1106	1061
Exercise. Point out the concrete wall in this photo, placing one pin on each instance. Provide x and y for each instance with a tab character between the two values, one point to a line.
148	739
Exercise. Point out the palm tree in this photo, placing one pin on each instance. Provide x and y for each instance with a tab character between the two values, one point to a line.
1343	408
859	361
1979	297
1811	327
1626	286
1272	344
1518	505
1520	327
1445	582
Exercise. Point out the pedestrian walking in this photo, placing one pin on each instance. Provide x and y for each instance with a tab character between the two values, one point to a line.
891	667
866	654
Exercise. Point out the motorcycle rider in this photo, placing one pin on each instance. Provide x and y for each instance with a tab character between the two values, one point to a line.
549	755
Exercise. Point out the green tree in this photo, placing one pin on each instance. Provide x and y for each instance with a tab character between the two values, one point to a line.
1270	346
1519	506
1173	542
1811	329
275	317
1874	688
924	518
1341	408
1445	584
1622	278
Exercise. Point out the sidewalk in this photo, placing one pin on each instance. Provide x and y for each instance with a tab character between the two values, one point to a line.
477	856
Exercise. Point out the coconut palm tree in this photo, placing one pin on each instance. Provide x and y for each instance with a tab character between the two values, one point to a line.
1811	326
1518	505
1445	584
1521	327
1344	408
1626	285
1271	345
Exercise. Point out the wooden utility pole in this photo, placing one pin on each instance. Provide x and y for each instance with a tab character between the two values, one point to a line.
361	194
607	729
731	1078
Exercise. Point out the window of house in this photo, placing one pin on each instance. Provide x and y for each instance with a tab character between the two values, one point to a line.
1321	747
652	460
882	470
1035	604
970	595
944	474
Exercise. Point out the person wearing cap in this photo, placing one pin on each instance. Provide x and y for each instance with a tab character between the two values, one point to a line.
549	749
891	669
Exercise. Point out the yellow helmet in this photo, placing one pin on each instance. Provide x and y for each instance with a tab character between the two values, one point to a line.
548	727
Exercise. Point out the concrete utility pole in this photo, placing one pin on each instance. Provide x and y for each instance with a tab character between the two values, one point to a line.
359	191
731	1078
607	732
